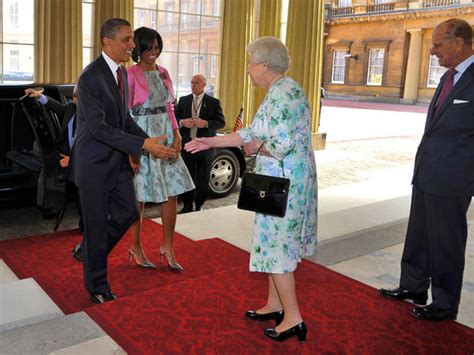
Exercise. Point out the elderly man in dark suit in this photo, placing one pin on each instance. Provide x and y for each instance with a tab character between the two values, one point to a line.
198	115
443	183
106	136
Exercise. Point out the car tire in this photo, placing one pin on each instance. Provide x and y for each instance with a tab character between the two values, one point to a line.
225	172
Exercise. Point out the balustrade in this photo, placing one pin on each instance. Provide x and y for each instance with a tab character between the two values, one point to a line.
344	8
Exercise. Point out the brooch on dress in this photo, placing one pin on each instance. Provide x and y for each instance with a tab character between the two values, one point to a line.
163	76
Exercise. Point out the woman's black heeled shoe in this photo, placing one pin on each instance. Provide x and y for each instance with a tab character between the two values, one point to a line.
298	330
277	316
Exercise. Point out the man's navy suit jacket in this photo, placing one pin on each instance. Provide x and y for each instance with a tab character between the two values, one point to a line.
65	112
211	111
106	133
444	163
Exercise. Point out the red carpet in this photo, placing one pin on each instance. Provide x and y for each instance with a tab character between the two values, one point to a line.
48	259
201	310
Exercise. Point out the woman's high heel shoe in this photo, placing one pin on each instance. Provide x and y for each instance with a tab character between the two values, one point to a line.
298	330
172	263
277	316
145	263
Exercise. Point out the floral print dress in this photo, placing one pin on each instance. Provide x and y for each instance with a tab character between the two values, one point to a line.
158	179
283	123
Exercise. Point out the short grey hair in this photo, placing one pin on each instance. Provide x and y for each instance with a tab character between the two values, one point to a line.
458	28
271	52
200	76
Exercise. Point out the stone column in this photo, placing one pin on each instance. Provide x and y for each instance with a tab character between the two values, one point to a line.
410	93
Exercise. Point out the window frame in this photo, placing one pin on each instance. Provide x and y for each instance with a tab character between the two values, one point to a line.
13	15
88	48
19	37
344	3
344	67
376	44
189	57
430	69
371	66
15	57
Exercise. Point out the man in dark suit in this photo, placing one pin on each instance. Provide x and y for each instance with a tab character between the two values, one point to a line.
106	136
198	115
443	183
67	114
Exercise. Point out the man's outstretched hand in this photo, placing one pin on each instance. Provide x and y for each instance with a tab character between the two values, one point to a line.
156	147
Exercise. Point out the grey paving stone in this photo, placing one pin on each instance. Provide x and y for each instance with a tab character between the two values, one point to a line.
468	286
346	247
24	302
52	335
389	278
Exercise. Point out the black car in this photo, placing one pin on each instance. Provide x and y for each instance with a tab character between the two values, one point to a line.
29	169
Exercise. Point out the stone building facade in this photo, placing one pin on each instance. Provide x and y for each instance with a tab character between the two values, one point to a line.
378	50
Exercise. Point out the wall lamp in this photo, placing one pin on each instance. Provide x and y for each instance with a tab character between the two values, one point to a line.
351	56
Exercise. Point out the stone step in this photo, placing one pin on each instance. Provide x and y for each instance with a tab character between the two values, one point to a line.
24	302
353	217
72	334
6	275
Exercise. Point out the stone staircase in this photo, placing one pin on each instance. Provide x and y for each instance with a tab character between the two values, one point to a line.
31	323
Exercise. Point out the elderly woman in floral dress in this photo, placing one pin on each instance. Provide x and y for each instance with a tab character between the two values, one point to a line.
282	127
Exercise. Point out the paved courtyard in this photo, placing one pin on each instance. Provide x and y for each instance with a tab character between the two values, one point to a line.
363	140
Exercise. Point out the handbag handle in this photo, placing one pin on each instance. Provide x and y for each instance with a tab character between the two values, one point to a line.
252	168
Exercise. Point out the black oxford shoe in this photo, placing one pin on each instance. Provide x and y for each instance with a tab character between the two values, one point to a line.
77	252
298	330
400	293
277	316
102	297
432	312
186	209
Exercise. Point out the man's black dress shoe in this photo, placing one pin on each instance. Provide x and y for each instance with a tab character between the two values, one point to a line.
277	316
298	330
400	293
102	297
77	252
186	209
432	312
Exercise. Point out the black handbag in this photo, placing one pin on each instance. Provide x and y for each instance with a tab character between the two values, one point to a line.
263	193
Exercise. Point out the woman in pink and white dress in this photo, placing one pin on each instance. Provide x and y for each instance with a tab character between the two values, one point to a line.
151	98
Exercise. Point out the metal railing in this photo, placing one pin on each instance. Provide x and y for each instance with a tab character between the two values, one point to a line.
361	7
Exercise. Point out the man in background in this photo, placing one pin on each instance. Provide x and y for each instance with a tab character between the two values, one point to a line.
198	115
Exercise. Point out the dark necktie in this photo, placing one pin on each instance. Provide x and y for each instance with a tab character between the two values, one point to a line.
195	115
120	81
447	87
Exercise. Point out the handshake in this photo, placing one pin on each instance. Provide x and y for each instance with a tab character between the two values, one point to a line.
193	122
156	147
